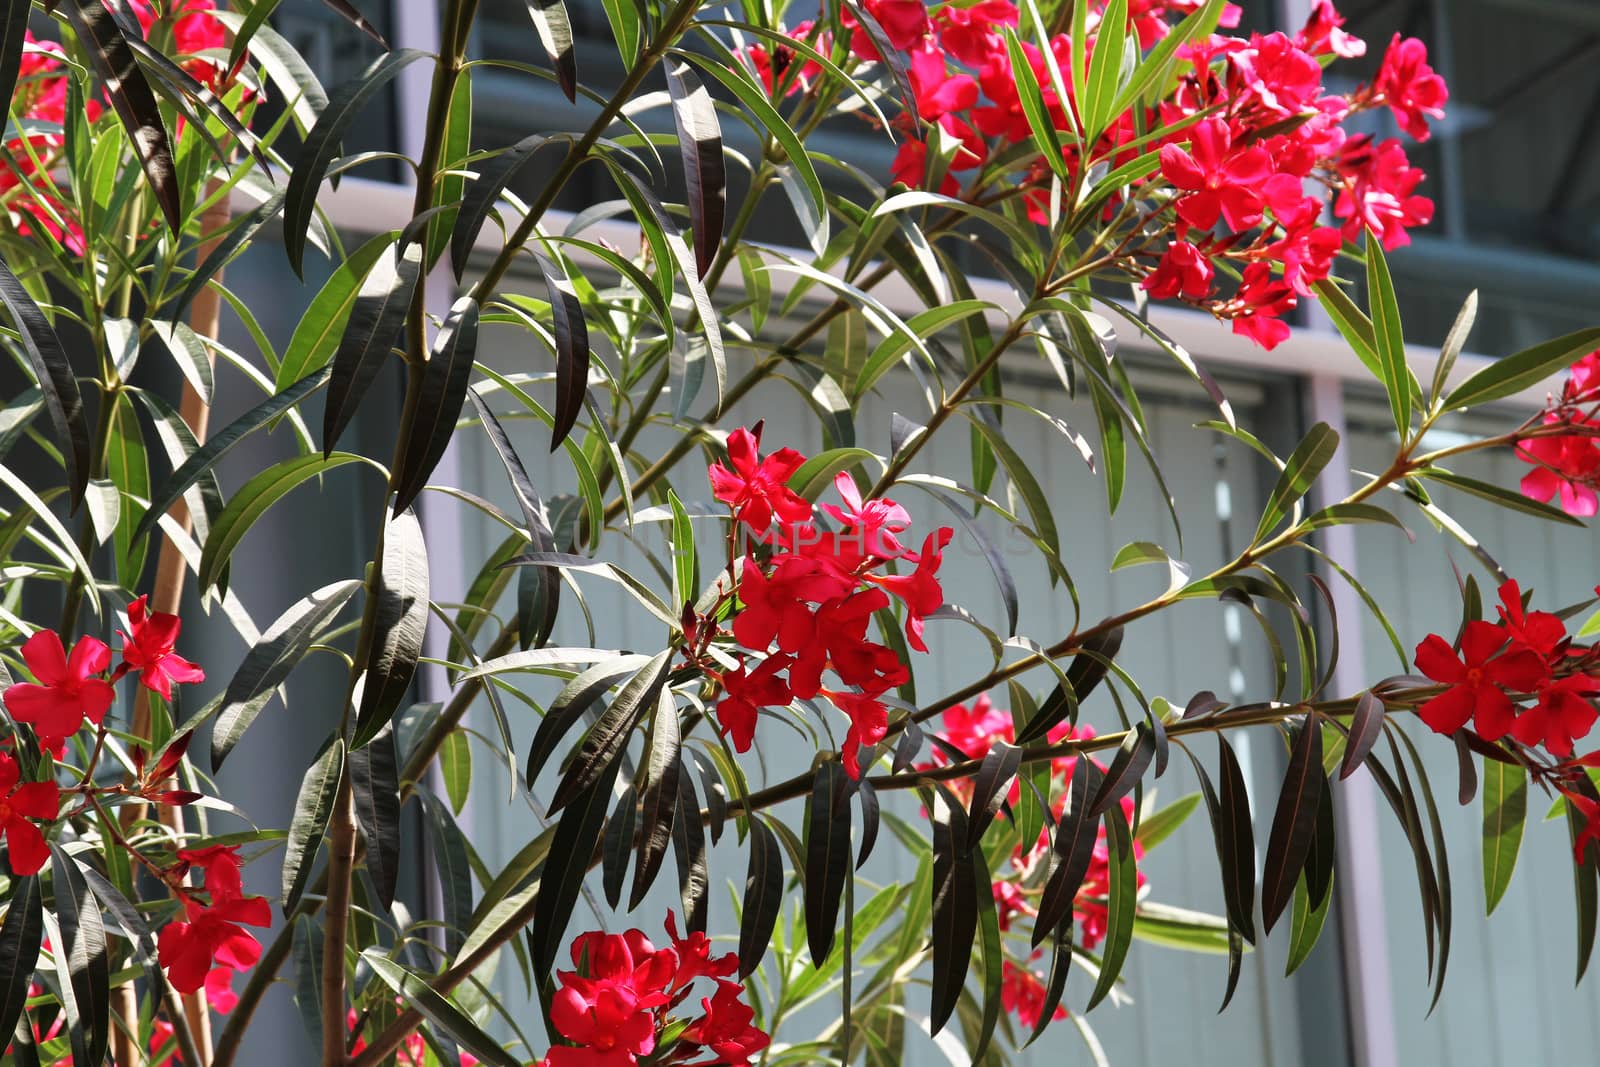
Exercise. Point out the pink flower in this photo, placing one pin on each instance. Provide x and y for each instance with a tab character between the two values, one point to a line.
874	522
1219	178
69	687
1410	87
1568	466
1283	77
938	91
1022	994
1183	271
1379	193
148	649
1322	34
18	805
869	723
757	488
1255	308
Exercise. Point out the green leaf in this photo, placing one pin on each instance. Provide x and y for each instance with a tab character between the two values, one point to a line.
1294	823
1510	499
763	896
1310	457
271	660
1179	928
555	34
129	470
1454	342
20	937
252	501
399	625
815	475
455	764
13	35
1505	813
322	144
955	919
993	954
685	559
1032	100
658	795
623	16
1121	904
1105	69
1514	373
1388	338
827	856
1152	72
1352	324
312	809
1306	921
292	78
600	749
494	174
437	1010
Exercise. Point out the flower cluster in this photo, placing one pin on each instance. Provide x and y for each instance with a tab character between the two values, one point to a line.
1565	451
616	1006
974	731
806	598
211	944
1499	666
32	198
1254	155
71	688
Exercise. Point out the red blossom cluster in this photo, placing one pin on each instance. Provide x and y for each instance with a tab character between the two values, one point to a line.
32	199
1498	667
70	688
1254	153
806	598
973	732
1566	450
212	944
616	1007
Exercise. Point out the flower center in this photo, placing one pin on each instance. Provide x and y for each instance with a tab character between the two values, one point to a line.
5	811
1474	676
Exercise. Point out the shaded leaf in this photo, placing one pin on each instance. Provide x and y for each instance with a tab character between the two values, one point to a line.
989	788
689	851
700	142
616	845
1294	823
572	349
444	392
1366	723
375	779
763	896
53	370
20	937
827	856
312	809
399	626
375	321
1121	903
658	795
604	742
437	1010
87	966
955	920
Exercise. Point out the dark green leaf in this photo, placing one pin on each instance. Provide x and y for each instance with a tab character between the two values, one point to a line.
1366	722
444	392
1586	888
128	467
1074	845
206	456
141	941
700	142
322	144
689	851
871	817
19	948
493	177
1132	758
1511	499
575	698
955	920
53	370
453	865
763	896
604	743
548	601
307	953
113	61
13	35
1388	338
827	856
400	624
87	967
375	321
312	809
989	788
617	844
572	348
1236	841
658	795
437	1010
322	325
375	778
1088	668
993	954
270	660
1294	823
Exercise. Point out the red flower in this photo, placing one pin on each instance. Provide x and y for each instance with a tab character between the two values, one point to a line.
1022	994
936	90
694	955
970	32
1410	87
188	949
1568	466
840	641
725	1028
1322	34
148	649
1255	308
869	724
749	692
607	1010
1537	631
1590	833
1183	271
777	608
1477	680
1562	715
1221	179
1378	195
757	488
920	590
1285	79
873	523
18	805
69	687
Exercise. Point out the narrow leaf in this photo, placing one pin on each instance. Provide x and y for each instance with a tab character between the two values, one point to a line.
1505	813
375	321
763	896
1295	821
312	809
53	369
827	856
444	392
399	626
375	779
700	142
